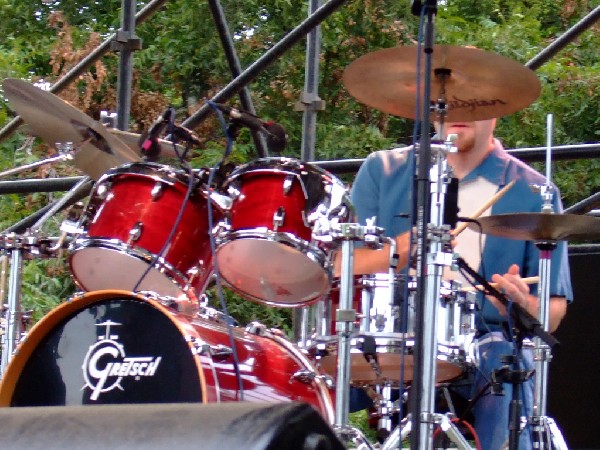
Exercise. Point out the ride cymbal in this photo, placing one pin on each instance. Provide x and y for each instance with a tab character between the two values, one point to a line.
479	85
540	226
56	122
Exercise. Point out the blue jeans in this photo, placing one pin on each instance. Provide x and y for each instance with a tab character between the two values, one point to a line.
491	412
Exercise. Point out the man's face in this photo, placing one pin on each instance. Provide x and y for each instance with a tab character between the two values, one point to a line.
470	134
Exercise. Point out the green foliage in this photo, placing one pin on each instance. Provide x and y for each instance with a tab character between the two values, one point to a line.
47	285
245	311
360	420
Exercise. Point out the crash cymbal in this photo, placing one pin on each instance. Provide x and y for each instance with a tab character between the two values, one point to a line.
55	121
480	85
540	226
133	141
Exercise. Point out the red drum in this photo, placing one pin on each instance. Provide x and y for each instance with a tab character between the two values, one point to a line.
114	347
380	305
129	219
268	251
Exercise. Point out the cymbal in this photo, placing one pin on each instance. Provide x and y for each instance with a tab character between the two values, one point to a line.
56	121
133	142
481	85
540	226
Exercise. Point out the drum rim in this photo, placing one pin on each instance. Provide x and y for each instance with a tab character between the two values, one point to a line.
314	253
277	164
167	269
460	362
165	174
57	315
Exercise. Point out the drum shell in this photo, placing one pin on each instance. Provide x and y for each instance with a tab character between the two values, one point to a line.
58	362
315	194
391	323
129	218
268	249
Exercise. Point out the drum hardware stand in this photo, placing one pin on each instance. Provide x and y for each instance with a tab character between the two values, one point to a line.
66	152
510	373
347	233
81	185
546	433
430	266
386	408
432	237
17	246
12	332
403	430
16	319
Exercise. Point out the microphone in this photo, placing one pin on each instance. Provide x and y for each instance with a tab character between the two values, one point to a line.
185	134
150	146
275	133
242	117
276	137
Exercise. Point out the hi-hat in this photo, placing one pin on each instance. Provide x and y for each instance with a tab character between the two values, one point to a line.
479	84
56	122
540	226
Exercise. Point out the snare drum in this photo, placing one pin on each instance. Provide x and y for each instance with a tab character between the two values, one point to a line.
268	252
385	317
130	217
114	347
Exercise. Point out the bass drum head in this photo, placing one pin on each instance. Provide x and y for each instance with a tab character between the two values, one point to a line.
106	347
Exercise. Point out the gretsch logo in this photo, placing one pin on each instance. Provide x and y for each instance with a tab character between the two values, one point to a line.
105	364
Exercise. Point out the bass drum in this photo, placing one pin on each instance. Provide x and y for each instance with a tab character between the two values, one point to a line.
113	347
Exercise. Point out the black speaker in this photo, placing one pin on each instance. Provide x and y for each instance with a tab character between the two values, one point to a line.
574	372
224	426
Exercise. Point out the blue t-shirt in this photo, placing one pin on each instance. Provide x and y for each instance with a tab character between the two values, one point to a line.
383	188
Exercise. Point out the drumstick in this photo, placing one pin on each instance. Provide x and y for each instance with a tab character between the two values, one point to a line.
528	280
483	208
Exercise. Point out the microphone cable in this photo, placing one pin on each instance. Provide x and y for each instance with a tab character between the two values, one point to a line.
218	282
184	203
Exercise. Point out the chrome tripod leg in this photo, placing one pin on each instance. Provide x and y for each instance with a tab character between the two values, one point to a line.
352	438
546	434
399	434
402	431
558	441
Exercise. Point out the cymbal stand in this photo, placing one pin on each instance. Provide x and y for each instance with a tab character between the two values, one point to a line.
66	153
348	233
546	434
12	332
431	258
30	243
83	184
437	257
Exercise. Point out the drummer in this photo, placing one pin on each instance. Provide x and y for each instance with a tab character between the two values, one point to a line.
382	189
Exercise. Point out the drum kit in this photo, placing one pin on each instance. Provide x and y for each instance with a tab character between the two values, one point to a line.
153	238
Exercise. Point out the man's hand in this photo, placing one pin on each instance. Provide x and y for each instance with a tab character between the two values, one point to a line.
514	287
